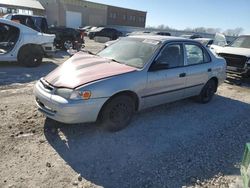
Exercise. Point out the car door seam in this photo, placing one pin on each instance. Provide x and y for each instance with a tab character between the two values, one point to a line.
164	92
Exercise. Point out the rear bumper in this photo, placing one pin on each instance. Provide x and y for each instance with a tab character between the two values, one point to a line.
64	110
49	48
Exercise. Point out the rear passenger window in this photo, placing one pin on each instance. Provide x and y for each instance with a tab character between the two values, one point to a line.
196	55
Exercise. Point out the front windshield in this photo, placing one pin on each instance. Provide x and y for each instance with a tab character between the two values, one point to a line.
134	52
241	42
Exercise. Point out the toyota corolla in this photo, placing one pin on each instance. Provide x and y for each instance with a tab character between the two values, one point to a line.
132	74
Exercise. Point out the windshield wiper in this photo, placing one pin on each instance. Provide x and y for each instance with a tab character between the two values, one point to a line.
116	61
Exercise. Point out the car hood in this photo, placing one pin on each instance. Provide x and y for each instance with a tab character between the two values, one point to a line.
83	68
234	50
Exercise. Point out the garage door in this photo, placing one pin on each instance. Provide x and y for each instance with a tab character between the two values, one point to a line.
73	19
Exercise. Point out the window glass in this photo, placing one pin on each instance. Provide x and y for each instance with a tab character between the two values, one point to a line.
195	55
131	51
171	55
241	42
8	37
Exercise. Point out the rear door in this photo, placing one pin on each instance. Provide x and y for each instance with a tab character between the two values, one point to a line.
166	84
198	67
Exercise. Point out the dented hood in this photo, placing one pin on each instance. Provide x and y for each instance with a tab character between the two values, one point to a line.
234	50
84	68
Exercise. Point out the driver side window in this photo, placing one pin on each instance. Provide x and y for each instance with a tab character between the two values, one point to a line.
172	55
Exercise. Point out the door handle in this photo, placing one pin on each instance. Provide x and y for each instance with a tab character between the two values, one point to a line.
182	74
209	70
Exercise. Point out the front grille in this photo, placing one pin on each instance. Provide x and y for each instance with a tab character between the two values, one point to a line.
44	107
237	61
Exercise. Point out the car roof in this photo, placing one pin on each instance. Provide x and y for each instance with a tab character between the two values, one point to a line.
161	38
17	14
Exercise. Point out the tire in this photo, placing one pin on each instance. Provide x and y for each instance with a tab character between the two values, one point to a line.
113	37
246	75
207	92
30	56
118	113
68	44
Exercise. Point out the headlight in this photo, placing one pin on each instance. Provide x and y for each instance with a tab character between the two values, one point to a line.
73	94
64	92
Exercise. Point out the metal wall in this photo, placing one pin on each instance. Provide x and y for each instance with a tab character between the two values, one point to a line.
92	13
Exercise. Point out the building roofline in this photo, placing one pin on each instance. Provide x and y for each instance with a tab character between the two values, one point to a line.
116	6
31	4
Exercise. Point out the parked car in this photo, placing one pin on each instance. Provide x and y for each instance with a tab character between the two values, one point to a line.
23	44
205	41
111	33
194	36
237	55
218	41
84	30
163	33
38	23
113	84
67	38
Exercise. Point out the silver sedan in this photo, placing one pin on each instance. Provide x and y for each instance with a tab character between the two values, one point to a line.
132	74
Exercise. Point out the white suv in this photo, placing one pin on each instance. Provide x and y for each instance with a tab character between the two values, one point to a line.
23	44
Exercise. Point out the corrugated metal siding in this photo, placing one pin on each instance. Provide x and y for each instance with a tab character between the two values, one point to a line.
33	4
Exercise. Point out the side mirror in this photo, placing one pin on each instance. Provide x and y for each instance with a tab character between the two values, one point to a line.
158	66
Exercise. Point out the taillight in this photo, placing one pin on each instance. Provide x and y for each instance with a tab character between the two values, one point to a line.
82	35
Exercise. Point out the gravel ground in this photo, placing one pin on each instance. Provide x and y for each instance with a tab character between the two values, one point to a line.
182	144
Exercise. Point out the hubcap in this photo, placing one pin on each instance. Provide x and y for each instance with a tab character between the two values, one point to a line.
68	44
119	113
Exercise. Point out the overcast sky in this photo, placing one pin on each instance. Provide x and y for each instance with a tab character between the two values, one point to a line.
180	14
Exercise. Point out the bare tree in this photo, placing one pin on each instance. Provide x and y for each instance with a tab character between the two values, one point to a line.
230	32
234	32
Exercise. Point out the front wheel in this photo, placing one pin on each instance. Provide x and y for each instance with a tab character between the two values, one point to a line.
207	92
118	113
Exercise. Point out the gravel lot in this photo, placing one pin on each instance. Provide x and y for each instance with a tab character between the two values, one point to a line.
173	145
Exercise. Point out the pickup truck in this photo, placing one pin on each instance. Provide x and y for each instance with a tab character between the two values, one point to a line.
237	55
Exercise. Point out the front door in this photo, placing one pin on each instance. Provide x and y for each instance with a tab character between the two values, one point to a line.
9	36
166	76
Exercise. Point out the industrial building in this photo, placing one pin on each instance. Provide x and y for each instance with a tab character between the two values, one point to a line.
75	13
21	6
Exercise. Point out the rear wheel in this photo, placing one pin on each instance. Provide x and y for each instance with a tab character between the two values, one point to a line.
30	56
207	92
118	113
